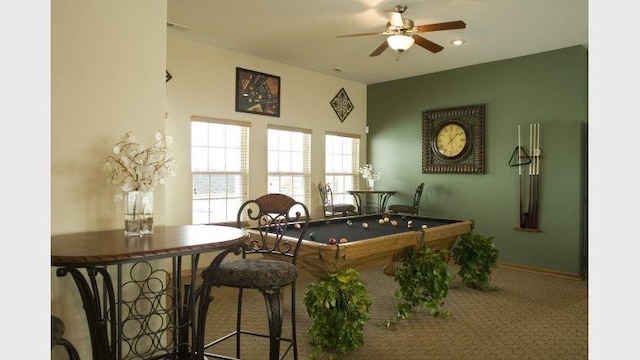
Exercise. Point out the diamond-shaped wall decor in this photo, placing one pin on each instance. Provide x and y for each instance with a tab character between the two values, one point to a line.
342	105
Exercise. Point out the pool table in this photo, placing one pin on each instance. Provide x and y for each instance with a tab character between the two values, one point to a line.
378	243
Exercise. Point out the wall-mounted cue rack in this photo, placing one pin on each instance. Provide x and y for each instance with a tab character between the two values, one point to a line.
528	215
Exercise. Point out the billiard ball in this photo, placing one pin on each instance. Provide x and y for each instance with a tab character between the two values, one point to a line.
297	226
349	222
424	227
332	241
365	225
394	223
312	236
410	224
381	221
343	240
386	219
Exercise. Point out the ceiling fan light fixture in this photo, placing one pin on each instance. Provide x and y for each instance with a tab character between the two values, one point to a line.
457	42
396	19
400	43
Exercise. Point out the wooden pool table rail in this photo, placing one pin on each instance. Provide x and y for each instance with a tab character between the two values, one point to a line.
320	258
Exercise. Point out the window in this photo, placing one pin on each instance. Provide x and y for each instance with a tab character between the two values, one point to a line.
219	167
342	154
289	164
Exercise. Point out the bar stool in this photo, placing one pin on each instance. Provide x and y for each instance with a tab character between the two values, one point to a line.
267	264
409	209
57	331
331	209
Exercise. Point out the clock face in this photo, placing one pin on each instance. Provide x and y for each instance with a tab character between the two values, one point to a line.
451	140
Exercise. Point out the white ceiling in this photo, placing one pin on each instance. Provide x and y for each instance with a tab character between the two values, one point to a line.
303	33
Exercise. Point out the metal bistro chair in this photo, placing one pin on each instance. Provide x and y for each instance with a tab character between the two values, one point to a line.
267	264
409	209
331	209
57	330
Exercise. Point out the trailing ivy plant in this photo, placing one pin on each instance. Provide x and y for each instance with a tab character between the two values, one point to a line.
423	277
338	305
476	255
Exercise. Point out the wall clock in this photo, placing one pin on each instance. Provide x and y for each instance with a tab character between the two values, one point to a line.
453	140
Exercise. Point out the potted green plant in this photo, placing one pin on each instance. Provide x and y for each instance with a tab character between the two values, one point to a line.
338	305
476	255
423	277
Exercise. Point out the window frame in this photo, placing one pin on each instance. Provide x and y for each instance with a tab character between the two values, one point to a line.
340	188
232	199
304	175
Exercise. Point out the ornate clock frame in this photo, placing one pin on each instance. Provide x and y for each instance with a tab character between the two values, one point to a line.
471	161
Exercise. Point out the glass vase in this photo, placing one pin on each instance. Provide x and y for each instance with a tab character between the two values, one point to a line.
138	213
371	184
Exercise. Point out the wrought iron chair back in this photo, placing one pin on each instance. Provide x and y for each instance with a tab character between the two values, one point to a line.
331	209
267	218
409	209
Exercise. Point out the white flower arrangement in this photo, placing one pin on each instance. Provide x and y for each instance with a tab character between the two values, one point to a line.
133	167
367	172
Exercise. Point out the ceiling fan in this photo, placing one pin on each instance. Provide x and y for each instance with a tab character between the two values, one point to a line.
403	32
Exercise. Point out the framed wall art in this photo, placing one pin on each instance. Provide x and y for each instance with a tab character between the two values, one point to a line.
342	105
453	140
257	93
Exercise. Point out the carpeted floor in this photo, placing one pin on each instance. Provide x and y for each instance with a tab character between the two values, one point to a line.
530	316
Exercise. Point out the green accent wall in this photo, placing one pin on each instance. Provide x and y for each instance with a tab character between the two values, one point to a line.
549	88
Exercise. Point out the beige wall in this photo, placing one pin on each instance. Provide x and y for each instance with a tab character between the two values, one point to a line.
203	85
107	77
108	59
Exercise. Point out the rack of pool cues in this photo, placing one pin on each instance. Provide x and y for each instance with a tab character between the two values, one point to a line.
528	216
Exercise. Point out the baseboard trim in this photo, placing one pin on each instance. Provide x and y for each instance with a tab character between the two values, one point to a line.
562	274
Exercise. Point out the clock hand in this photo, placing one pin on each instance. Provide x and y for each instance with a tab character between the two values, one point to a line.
454	136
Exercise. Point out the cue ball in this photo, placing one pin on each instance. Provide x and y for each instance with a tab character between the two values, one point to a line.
312	236
381	221
332	241
343	240
297	226
386	219
365	225
424	227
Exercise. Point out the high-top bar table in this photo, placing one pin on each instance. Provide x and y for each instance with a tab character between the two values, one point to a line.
118	322
376	207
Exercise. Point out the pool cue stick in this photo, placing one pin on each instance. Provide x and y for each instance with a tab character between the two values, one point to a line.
533	201
528	213
537	176
520	189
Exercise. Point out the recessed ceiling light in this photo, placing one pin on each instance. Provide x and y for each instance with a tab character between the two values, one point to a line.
341	70
457	42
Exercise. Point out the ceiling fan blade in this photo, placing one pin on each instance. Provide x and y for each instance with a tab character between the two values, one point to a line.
361	34
431	46
451	25
380	49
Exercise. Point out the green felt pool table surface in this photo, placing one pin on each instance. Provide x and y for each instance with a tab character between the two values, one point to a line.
321	231
376	244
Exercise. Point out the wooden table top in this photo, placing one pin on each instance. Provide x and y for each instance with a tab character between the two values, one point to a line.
112	246
371	192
